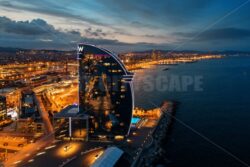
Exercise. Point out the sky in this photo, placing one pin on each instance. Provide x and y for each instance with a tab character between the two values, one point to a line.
126	25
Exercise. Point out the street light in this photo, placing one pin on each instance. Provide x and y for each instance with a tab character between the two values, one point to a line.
66	148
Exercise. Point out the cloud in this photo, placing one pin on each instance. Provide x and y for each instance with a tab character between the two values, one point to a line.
58	9
160	13
140	24
38	34
140	13
124	23
94	33
35	27
229	33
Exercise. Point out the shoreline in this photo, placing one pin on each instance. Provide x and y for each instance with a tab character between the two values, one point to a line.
153	154
170	62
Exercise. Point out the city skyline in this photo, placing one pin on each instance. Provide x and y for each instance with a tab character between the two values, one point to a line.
95	83
126	26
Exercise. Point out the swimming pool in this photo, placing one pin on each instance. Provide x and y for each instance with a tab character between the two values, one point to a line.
135	120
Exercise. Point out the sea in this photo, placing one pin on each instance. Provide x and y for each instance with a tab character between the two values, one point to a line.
212	121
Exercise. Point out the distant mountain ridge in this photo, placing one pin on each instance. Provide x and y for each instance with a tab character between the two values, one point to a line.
10	49
227	52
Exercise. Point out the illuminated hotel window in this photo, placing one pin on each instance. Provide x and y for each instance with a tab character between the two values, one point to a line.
123	87
107	64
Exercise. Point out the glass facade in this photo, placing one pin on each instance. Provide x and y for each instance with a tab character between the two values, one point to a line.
105	91
69	124
29	106
3	109
71	128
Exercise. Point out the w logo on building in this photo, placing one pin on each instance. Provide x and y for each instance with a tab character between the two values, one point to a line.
80	48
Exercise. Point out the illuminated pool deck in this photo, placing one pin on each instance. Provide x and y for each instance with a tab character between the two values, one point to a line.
135	120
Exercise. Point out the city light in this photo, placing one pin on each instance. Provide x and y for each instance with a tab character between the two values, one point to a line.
65	110
68	149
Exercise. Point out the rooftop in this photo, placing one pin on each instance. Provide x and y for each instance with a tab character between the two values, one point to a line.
70	111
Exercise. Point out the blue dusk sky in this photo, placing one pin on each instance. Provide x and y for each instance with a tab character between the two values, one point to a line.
126	25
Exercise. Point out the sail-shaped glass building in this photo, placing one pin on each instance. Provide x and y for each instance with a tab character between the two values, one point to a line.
105	92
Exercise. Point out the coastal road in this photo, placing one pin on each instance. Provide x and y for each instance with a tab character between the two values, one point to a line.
33	148
45	116
28	151
83	151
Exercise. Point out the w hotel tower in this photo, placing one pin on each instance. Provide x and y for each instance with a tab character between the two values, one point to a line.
105	92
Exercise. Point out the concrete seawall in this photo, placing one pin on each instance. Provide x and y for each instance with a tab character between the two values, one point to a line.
153	154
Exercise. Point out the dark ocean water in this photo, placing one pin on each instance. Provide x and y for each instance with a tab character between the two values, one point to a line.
213	125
